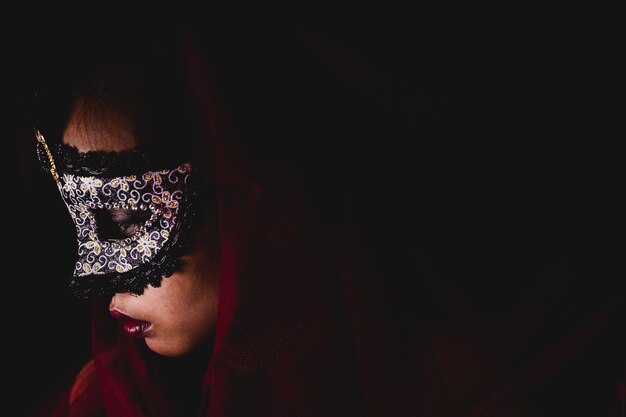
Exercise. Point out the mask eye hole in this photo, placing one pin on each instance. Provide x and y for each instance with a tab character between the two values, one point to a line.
117	224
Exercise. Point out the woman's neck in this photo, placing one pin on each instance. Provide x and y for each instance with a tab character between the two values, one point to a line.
181	378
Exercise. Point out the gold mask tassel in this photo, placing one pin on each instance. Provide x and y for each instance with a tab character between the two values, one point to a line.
53	168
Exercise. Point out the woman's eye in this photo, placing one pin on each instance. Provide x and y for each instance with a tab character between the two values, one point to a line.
119	224
128	229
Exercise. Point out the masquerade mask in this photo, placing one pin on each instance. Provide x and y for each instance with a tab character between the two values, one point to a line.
131	228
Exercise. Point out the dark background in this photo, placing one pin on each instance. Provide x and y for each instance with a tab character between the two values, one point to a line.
479	153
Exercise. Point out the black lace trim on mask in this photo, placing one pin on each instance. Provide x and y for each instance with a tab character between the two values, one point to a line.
70	160
163	265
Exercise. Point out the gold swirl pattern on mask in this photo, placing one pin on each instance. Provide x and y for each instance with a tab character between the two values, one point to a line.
159	193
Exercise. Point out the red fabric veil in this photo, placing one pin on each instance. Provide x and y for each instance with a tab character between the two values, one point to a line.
301	329
342	296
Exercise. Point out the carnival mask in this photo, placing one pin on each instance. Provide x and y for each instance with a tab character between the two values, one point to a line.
131	228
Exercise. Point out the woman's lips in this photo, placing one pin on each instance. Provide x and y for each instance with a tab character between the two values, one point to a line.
132	327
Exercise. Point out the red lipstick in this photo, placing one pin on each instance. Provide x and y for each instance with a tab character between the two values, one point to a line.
132	327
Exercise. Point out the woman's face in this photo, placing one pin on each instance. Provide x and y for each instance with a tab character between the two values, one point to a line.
181	313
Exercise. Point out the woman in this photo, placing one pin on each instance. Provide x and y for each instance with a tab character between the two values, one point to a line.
216	289
295	297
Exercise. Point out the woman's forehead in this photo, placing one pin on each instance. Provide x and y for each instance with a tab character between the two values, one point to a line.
106	135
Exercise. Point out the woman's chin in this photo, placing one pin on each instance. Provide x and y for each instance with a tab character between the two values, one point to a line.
167	348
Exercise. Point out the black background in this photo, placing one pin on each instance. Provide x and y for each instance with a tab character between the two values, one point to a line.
484	145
